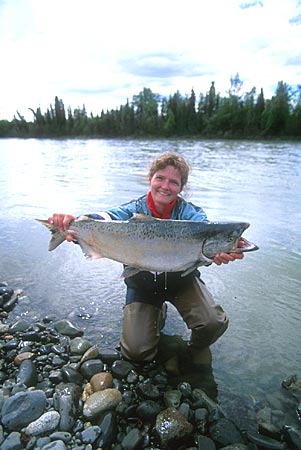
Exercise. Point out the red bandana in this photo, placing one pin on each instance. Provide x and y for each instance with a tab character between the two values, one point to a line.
167	210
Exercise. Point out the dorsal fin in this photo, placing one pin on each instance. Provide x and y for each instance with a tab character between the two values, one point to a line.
142	218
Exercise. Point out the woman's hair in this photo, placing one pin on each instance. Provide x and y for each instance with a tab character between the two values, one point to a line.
170	159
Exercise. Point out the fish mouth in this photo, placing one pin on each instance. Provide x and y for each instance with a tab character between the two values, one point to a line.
246	247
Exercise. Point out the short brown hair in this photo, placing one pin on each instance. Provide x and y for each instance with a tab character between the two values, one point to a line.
170	159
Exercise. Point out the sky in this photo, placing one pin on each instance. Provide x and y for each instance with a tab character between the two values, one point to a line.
100	53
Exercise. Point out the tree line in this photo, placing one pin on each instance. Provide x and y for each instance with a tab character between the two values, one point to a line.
235	115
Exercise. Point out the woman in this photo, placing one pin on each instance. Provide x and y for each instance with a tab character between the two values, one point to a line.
147	291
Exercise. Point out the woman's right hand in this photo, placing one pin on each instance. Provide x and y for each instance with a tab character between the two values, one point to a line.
62	222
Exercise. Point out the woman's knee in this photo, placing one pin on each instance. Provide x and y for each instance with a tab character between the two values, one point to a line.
141	331
205	334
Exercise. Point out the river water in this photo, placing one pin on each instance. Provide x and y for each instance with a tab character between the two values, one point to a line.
258	182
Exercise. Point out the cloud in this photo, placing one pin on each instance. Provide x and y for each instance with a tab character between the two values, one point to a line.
163	65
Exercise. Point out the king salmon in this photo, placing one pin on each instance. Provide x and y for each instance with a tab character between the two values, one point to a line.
146	243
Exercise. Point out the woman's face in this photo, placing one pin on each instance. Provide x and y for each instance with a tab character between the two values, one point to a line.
165	185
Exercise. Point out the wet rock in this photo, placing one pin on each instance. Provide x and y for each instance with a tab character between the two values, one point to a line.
47	422
265	441
91	353
12	442
91	367
22	408
71	375
55	445
101	401
66	402
22	357
224	432
205	443
132	440
67	328
120	368
148	410
108	356
79	345
108	426
27	373
101	381
20	325
149	390
90	434
172	398
292	436
172	428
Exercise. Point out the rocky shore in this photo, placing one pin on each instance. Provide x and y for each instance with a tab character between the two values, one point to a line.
59	392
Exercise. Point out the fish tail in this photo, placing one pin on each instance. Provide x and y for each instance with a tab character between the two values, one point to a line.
57	236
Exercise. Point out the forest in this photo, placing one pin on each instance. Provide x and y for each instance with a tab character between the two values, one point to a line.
236	115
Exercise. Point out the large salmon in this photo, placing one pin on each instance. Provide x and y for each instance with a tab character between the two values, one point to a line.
146	243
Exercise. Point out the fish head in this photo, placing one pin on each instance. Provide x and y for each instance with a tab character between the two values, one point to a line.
223	237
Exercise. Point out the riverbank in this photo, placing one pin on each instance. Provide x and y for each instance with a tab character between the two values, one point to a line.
59	391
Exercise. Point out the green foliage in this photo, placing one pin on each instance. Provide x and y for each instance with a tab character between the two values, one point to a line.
236	115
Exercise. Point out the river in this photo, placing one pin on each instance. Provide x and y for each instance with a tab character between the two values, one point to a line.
257	182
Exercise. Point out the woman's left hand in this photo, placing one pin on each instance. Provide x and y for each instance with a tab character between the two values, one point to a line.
225	258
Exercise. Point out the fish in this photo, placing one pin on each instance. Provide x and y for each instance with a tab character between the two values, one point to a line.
145	243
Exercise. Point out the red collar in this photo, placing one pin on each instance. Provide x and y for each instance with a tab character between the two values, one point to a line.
167	210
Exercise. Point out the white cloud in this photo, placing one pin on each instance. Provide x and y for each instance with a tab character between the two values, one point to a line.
101	52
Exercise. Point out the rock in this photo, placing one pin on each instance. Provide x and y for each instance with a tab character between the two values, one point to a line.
172	428
91	353
132	440
149	390
108	356
101	401
71	375
27	373
89	435
91	367
66	402
12	442
108	426
205	443
47	422
22	408
120	368
292	436
101	381
265	441
67	328
148	410
55	445
172	398
22	357
79	345
224	432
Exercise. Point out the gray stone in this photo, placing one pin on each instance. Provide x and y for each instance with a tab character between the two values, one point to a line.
22	408
66	402
67	328
132	440
79	345
90	434
91	367
27	373
12	442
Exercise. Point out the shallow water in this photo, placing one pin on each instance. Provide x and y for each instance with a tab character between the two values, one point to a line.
258	182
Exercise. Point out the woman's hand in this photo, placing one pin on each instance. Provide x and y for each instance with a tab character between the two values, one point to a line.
225	258
62	222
